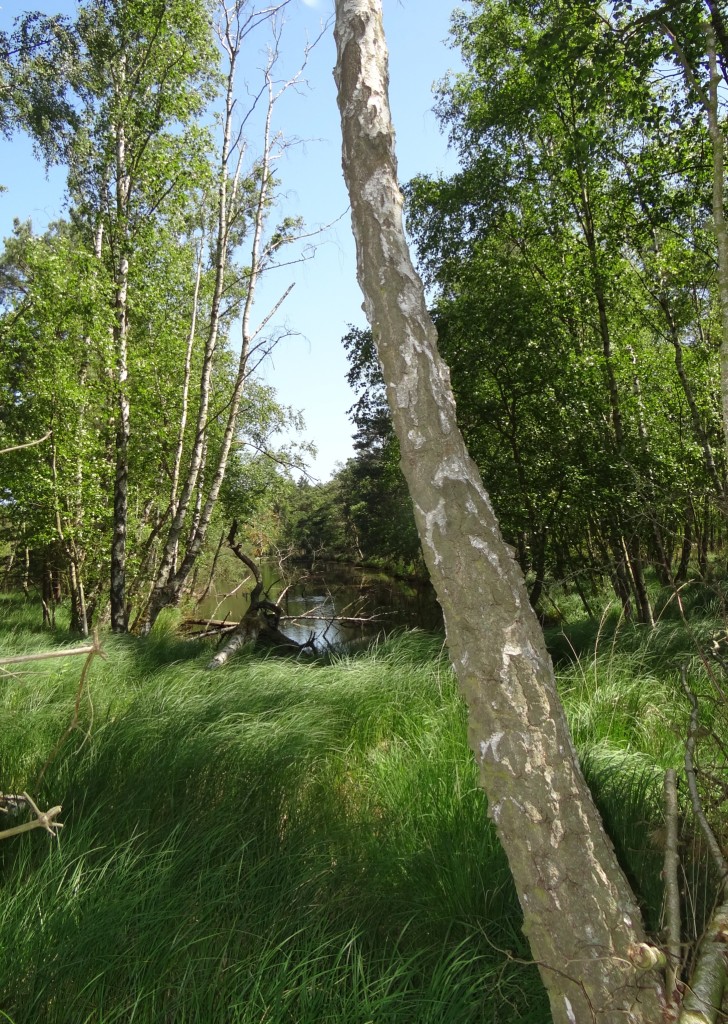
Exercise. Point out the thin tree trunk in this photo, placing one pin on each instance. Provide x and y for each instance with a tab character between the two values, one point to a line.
121	341
216	556
165	590
636	569
647	493
579	914
710	103
619	573
687	388
719	222
681	573
79	619
9	565
185	391
169	585
601	300
80	612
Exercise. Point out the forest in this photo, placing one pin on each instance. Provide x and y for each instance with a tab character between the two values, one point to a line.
521	816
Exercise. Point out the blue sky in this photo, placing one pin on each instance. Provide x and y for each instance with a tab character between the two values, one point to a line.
307	369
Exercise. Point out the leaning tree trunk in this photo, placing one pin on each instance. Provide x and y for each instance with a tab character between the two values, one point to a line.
579	913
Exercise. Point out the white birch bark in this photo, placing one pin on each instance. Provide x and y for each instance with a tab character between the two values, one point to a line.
579	913
121	343
237	21
164	591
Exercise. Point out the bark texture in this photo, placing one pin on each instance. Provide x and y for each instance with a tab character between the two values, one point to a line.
579	913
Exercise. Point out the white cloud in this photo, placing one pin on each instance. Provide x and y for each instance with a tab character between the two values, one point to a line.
312	3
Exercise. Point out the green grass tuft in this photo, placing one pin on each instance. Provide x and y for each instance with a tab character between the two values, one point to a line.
274	842
305	842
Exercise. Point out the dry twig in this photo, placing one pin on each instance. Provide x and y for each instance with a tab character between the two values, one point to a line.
43	819
672	888
73	724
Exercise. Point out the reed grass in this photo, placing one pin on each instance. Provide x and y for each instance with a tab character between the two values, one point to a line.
280	841
287	841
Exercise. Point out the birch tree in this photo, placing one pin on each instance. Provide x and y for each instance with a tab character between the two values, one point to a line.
579	913
693	36
144	77
244	200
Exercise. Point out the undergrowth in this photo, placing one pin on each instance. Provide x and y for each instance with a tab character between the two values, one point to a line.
284	841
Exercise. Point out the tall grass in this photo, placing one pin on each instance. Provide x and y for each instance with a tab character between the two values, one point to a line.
286	841
620	684
276	842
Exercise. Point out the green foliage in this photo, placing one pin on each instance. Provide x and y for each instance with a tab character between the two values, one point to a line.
37	62
364	512
574	300
116	310
55	299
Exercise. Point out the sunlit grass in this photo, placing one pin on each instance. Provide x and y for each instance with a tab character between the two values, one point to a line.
279	841
288	841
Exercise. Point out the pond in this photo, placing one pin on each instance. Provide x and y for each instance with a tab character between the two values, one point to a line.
344	605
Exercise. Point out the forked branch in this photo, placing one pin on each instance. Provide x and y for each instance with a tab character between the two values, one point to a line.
43	819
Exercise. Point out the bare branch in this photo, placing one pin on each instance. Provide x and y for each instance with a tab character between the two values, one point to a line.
43	819
28	444
19	659
672	888
266	319
684	63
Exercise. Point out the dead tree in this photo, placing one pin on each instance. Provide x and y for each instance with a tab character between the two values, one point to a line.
261	620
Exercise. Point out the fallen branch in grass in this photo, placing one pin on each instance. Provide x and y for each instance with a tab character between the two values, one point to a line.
67	652
73	724
43	819
13	801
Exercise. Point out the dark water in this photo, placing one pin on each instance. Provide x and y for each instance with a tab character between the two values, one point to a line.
323	597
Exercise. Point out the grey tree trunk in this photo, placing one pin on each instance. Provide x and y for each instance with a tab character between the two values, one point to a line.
579	913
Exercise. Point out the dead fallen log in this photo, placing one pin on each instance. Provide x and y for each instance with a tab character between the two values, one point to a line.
215	625
256	626
354	620
216	631
262	619
212	623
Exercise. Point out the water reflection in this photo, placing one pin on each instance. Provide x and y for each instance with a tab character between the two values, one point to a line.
342	604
